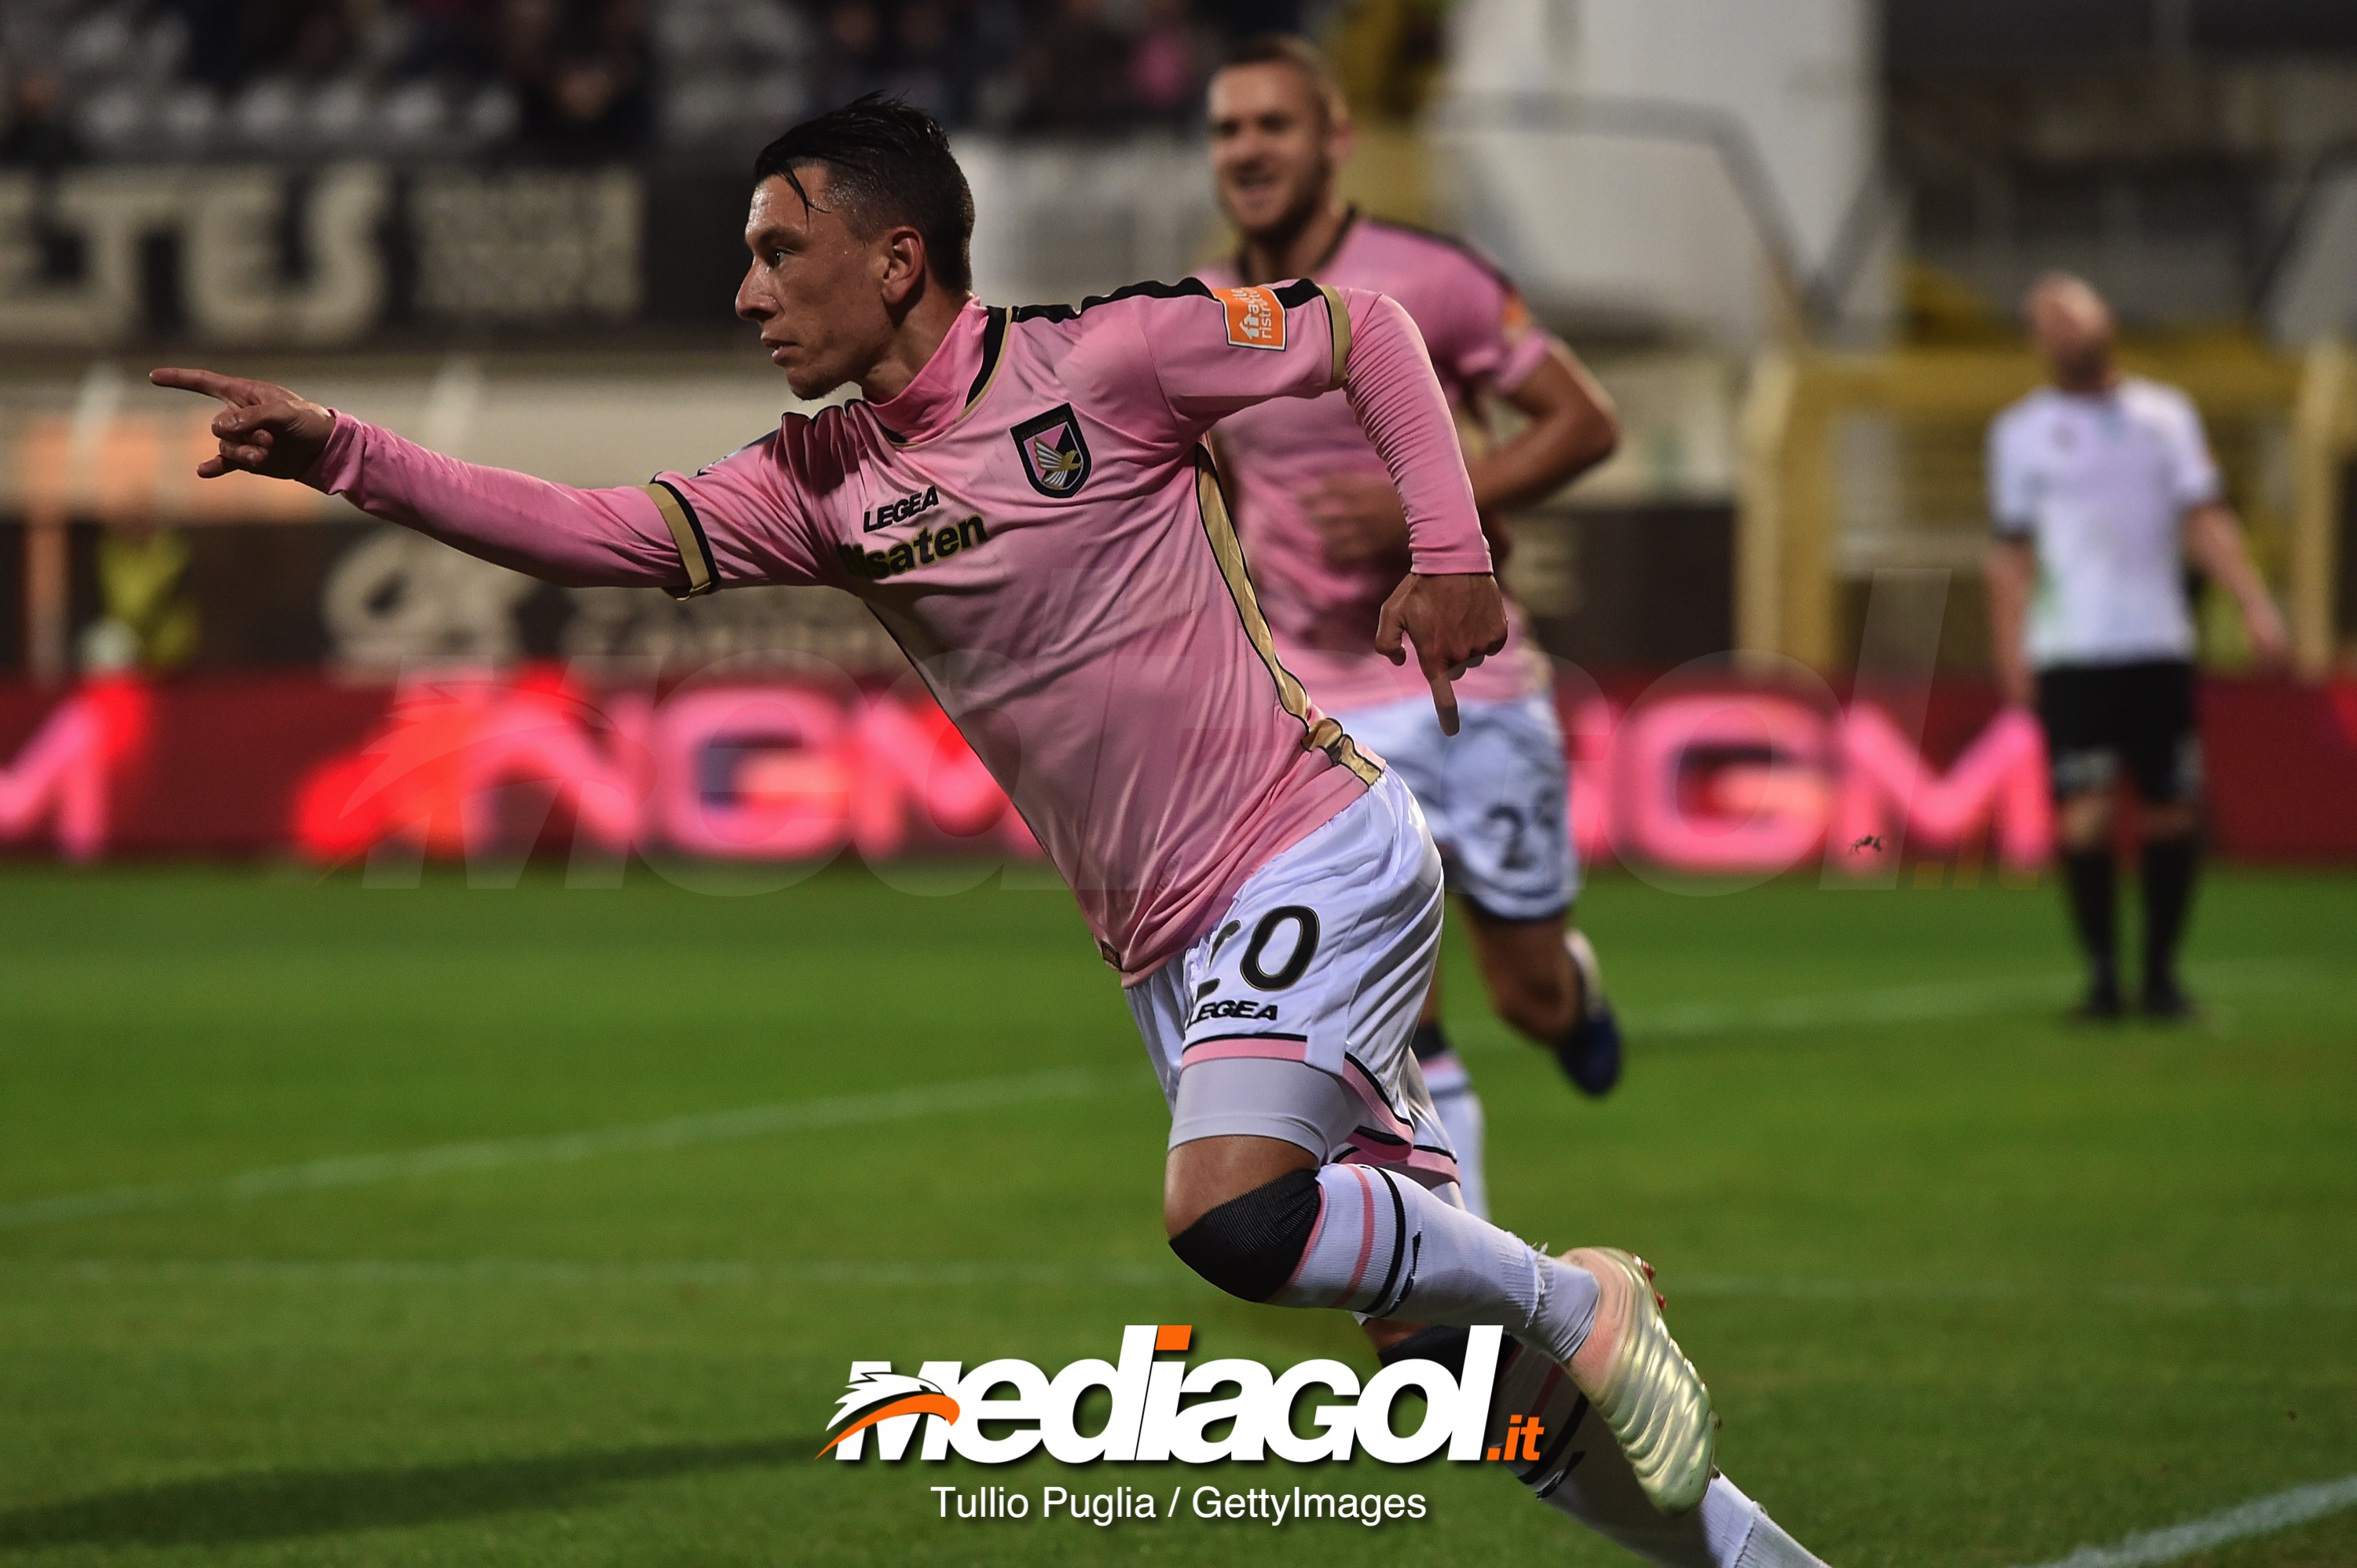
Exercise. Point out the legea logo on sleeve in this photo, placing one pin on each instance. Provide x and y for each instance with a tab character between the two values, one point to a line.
1164	1407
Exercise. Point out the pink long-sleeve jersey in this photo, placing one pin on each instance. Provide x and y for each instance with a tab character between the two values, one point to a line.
1483	343
1036	520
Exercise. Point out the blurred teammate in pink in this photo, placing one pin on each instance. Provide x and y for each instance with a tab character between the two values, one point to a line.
1325	531
1021	497
1328	544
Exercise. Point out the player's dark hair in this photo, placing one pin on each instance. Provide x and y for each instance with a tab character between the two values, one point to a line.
1286	48
886	163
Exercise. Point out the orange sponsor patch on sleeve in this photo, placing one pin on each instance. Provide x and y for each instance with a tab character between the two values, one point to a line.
1254	318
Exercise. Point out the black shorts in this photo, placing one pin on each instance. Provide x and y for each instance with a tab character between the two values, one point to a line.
2099	716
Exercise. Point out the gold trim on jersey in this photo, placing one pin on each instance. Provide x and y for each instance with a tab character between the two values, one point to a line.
1326	735
994	347
683	537
1339	314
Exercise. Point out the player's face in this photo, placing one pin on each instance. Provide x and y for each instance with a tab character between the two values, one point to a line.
815	289
2072	329
1273	152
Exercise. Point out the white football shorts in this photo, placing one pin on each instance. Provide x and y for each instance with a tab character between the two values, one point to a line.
1497	795
1321	961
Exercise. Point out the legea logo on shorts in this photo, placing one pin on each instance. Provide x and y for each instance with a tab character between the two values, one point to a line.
1163	1407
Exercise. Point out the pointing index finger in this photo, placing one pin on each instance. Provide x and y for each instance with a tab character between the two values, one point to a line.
210	383
1444	701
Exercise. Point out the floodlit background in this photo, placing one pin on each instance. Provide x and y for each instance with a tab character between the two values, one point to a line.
1788	236
347	883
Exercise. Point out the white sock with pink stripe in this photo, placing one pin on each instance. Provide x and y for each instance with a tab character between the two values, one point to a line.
1386	1246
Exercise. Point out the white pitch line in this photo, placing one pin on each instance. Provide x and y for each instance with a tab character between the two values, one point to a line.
2262	1516
673	1132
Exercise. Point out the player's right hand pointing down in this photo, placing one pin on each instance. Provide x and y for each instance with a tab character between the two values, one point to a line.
1455	622
264	429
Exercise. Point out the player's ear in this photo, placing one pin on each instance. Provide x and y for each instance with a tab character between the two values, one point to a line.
903	259
1341	137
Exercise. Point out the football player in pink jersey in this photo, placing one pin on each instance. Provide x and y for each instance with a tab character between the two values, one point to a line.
1328	544
1023	499
1322	525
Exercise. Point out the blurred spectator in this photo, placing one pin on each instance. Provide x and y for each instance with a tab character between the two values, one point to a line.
734	72
33	124
35	127
927	67
1074	71
451	40
1238	19
579	73
1166	64
853	62
233	42
576	80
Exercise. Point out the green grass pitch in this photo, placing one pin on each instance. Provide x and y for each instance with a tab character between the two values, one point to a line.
1972	1286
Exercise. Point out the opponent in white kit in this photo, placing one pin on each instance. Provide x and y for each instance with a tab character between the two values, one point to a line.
2104	494
1076	600
1322	527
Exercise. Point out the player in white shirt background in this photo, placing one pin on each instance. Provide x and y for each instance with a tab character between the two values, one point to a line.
2104	492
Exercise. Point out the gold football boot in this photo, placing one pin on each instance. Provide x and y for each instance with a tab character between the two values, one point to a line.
1643	1385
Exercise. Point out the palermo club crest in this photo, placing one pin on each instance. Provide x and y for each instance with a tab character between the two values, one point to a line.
1055	456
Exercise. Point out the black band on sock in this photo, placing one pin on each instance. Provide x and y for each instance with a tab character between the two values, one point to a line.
1428	1041
1249	1246
1553	1464
1405	1252
1447	1346
2088	875
2169	866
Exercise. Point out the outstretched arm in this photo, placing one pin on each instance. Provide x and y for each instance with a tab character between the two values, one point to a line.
574	537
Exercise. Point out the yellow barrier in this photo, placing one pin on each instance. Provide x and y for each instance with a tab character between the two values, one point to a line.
1851	462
